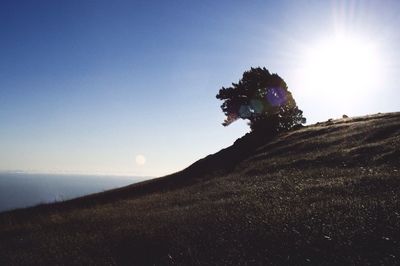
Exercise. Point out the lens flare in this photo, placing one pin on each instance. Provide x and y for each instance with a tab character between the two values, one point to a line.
256	106
276	96
140	159
245	111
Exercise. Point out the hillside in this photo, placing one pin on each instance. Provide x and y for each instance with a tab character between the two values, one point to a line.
328	193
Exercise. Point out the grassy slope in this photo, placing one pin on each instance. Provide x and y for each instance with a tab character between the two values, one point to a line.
325	194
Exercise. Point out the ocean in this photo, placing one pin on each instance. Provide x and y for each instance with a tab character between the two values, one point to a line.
19	190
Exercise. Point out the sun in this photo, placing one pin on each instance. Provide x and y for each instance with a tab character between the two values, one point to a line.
342	68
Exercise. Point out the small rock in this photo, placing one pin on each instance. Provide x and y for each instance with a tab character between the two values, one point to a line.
327	238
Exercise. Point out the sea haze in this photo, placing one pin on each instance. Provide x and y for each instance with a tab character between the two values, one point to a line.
19	190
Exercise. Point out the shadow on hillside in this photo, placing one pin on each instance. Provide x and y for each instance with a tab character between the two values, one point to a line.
226	159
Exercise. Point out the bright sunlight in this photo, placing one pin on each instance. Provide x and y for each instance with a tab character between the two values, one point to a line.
342	68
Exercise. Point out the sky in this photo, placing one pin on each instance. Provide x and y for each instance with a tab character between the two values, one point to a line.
128	87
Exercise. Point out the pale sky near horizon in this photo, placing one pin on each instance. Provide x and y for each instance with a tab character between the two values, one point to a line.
128	87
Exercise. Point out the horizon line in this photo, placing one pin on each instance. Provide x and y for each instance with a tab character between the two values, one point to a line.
111	174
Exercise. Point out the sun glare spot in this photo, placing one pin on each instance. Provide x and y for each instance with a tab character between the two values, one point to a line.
140	159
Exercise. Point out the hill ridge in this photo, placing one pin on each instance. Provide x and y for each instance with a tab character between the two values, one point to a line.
327	193
239	151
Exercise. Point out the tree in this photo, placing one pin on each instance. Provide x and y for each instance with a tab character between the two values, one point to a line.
263	99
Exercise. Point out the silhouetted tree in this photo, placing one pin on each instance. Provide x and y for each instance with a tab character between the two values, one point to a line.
263	99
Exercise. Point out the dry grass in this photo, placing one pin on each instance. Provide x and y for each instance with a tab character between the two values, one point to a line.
322	195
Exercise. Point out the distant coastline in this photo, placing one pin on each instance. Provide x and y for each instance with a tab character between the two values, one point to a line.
20	189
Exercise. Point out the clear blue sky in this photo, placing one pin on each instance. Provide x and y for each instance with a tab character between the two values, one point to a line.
86	86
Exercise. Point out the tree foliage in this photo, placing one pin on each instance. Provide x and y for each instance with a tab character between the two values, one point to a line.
263	99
